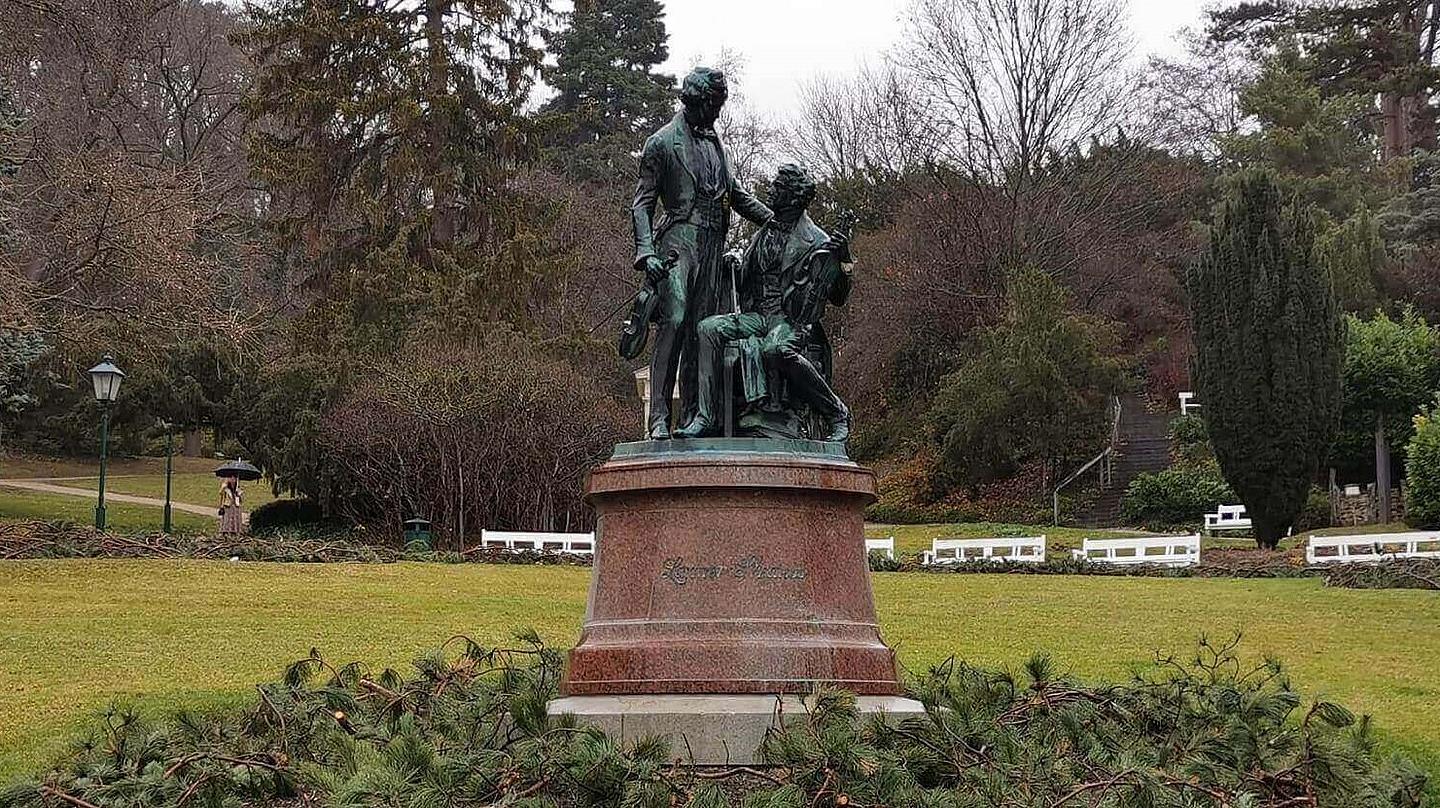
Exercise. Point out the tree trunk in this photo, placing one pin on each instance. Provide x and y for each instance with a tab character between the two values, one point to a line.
1382	469
1267	534
193	439
444	224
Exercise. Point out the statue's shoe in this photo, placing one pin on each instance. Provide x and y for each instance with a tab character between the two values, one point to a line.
659	431
698	428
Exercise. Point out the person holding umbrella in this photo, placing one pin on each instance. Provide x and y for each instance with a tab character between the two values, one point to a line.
232	514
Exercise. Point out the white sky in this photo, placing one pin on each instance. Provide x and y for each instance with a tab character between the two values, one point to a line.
837	34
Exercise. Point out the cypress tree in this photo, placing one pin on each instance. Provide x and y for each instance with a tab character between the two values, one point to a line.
1268	350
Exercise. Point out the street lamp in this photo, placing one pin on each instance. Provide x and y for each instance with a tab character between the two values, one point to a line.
106	378
169	457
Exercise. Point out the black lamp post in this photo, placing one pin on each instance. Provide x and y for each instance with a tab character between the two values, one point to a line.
169	457
106	378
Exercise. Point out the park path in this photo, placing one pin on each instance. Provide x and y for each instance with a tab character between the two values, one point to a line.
43	486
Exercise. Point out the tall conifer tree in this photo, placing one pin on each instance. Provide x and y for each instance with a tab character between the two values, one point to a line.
1268	351
608	93
386	135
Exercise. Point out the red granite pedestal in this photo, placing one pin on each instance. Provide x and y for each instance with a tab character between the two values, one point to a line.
729	568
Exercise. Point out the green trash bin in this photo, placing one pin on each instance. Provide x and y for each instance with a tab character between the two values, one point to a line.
417	535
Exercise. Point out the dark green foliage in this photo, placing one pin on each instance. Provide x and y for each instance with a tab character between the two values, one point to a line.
1411	220
1373	49
1188	430
608	95
1422	466
1269	342
1033	389
1316	513
1356	254
276	414
880	562
282	514
1178	496
386	136
1392	369
319	543
20	354
468	727
1311	141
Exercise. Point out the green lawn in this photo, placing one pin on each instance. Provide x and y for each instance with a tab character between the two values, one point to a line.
119	516
22	467
197	489
75	634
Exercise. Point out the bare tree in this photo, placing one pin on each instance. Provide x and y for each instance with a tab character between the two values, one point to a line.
133	210
1014	81
1194	101
873	122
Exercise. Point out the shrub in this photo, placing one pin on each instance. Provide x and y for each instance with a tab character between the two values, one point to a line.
1176	496
1188	430
1422	470
286	513
1206	728
1316	513
1031	390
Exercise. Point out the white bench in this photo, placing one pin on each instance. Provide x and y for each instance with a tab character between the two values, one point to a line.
1228	517
885	545
1027	549
574	543
1371	547
1188	403
1168	551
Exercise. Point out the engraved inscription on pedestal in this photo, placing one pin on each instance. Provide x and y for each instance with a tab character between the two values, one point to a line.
679	571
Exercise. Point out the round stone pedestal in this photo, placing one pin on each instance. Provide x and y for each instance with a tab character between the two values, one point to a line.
730	566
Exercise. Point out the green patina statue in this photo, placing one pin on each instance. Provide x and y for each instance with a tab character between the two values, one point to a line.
686	180
788	274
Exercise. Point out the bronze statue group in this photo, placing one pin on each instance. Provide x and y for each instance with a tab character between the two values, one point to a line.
717	316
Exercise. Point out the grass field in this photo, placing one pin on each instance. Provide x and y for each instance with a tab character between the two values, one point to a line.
200	489
76	634
119	516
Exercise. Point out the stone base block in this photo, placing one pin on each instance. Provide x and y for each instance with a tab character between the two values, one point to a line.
708	730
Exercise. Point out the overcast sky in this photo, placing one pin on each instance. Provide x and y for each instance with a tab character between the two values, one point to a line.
785	42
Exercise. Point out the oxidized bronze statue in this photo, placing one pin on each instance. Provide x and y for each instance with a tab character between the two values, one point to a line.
791	270
683	169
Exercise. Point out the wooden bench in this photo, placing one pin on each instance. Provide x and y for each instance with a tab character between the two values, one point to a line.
885	545
1168	551
1026	549
1371	547
574	543
1227	517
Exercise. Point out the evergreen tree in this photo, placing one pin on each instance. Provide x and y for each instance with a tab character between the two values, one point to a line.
1268	345
608	93
386	136
1383	50
1315	144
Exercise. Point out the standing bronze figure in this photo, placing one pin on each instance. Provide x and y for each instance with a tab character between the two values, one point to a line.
684	173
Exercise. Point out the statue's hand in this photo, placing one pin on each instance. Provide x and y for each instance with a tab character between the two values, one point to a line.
655	270
840	246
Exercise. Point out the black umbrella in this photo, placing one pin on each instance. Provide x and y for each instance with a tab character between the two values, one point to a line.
238	468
